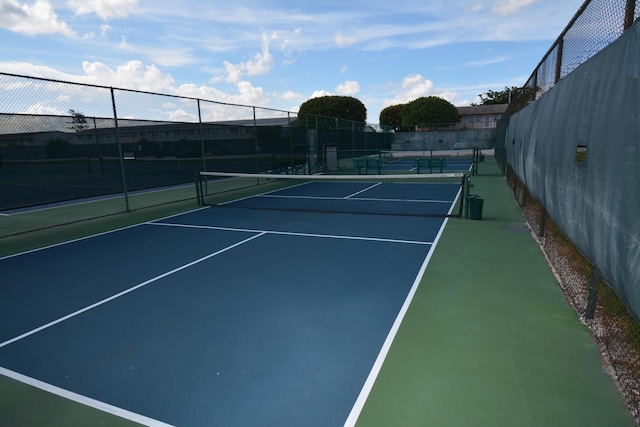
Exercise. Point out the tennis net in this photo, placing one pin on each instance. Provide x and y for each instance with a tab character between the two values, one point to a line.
430	161
439	195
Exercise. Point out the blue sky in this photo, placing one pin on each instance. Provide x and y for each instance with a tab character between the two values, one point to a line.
278	54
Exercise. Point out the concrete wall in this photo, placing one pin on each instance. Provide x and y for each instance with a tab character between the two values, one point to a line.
444	139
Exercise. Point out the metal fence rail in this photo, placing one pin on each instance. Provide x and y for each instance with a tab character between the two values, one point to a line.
594	26
72	151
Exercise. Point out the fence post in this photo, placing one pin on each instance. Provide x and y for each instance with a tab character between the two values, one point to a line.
558	75
542	230
204	162
255	140
629	14
96	137
291	162
592	297
120	155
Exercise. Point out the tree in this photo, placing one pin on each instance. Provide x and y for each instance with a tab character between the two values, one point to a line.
429	111
78	121
505	96
392	116
340	107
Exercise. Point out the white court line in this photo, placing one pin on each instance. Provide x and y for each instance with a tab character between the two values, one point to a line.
350	197
362	191
84	400
85	200
377	365
370	199
126	291
291	233
98	234
267	194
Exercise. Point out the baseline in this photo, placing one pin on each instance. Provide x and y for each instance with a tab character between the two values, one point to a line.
66	242
84	400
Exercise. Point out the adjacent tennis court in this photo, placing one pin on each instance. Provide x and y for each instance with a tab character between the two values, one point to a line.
428	161
273	315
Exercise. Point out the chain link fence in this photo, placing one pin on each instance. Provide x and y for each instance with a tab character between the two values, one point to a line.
70	152
594	26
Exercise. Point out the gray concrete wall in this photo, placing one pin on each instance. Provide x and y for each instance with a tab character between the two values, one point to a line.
444	139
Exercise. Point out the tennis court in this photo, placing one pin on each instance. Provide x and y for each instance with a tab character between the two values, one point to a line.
438	161
273	315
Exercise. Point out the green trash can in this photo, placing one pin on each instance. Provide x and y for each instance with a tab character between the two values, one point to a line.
475	206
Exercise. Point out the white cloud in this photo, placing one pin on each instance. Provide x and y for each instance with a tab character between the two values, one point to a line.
489	61
24	68
348	88
164	56
40	18
344	69
105	9
104	29
452	97
319	93
169	57
290	96
124	45
510	7
415	86
344	41
233	72
260	64
136	75
247	94
181	115
41	108
132	75
251	95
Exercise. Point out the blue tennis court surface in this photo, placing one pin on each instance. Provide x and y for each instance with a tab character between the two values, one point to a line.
215	317
391	198
429	164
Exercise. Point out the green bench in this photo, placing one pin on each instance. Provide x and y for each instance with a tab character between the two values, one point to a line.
366	163
430	164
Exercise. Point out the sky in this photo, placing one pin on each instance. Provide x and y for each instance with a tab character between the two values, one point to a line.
278	54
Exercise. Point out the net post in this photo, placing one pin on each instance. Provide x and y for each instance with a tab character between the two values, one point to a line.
477	162
202	151
476	159
466	184
199	189
464	195
473	160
